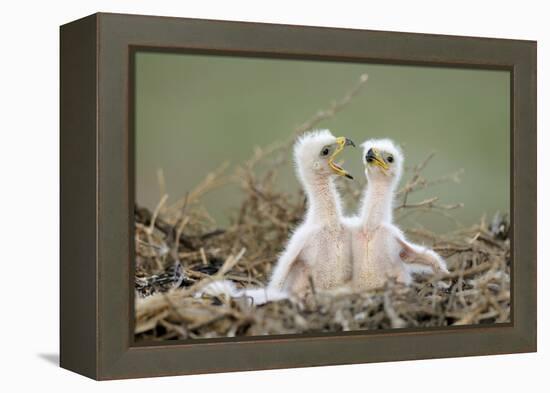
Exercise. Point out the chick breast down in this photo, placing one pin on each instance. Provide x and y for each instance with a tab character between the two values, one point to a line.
325	257
376	258
330	254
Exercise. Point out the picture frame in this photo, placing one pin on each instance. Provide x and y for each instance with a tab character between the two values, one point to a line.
97	199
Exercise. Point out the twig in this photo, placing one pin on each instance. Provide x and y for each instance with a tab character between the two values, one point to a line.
334	108
156	213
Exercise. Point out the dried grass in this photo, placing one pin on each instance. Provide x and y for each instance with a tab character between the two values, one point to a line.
179	250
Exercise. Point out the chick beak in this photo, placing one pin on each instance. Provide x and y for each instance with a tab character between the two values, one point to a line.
374	158
341	143
348	142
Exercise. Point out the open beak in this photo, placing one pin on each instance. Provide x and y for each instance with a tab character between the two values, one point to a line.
374	158
341	143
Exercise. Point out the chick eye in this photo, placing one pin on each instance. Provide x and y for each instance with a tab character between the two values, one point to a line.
325	151
390	159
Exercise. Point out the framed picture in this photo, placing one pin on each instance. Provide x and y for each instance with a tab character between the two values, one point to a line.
242	196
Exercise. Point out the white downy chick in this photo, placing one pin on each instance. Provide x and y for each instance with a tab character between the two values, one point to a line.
380	249
319	250
320	246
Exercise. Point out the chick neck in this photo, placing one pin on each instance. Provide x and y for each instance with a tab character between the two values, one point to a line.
377	208
323	200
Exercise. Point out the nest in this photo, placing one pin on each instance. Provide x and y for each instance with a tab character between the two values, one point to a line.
180	249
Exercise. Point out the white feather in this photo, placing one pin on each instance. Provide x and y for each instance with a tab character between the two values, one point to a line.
257	296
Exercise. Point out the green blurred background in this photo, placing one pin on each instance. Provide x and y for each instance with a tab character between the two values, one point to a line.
194	112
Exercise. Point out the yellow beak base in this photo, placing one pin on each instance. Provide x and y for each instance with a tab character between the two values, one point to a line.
378	160
341	143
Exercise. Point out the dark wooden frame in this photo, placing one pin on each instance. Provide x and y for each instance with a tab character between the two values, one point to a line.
97	195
